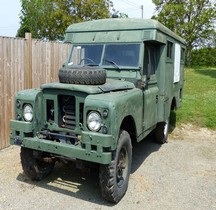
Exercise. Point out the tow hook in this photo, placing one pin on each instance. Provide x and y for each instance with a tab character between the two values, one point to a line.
17	140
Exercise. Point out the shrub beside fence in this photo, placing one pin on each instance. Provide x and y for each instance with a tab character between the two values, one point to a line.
25	63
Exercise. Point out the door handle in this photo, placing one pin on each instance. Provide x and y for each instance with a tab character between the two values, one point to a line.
156	99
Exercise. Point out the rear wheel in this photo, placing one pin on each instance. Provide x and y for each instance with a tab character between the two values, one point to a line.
35	164
115	176
161	132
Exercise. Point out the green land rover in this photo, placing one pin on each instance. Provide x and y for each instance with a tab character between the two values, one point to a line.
121	81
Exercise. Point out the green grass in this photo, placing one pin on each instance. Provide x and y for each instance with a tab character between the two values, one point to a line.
199	98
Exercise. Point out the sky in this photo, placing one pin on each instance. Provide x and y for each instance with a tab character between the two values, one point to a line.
10	10
133	8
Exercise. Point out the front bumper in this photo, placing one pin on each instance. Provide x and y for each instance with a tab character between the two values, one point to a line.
93	147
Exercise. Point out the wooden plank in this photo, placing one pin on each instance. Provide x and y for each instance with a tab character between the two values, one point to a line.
28	63
1	92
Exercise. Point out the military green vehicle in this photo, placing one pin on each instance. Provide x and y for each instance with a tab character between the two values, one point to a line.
121	81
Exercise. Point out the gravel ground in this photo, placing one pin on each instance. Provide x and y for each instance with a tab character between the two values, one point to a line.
178	175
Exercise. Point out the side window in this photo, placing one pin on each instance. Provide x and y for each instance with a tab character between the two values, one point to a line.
169	50
182	54
150	60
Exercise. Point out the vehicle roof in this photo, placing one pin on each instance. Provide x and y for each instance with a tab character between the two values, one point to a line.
121	24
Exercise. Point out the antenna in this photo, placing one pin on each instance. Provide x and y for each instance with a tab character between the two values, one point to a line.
142	11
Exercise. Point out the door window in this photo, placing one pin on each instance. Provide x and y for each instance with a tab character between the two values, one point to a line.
149	60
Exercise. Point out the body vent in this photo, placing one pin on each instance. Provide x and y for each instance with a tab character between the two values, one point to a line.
147	35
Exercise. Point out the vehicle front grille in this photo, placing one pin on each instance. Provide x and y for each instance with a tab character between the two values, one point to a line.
67	111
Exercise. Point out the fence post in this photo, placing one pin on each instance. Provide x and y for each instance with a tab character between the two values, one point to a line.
28	62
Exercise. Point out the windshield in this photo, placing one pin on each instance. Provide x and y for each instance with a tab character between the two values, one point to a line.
122	55
86	54
115	55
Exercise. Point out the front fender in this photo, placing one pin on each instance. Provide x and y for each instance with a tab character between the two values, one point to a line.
120	105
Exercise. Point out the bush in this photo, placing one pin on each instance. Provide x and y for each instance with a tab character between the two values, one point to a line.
203	57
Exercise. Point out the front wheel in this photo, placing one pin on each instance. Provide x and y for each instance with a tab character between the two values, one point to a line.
114	177
35	164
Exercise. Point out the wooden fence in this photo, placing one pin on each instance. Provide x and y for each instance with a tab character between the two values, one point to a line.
25	63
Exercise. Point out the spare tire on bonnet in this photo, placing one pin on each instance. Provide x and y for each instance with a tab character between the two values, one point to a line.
82	75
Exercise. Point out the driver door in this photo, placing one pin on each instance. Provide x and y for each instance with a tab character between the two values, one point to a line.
151	91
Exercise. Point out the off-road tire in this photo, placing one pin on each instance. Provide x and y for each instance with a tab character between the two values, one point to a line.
114	177
161	132
35	168
82	76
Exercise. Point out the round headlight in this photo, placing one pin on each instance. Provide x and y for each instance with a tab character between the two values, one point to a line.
28	112
94	121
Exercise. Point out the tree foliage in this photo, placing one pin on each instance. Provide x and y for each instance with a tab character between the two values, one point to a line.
194	20
48	19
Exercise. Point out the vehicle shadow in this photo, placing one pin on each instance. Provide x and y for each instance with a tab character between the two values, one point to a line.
210	73
67	180
142	150
84	185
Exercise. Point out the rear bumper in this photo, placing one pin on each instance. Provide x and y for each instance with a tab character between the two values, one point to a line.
91	147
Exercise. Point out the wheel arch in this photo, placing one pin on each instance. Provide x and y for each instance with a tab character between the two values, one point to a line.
128	124
172	117
173	104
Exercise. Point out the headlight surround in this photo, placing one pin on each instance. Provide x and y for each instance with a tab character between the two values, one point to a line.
94	121
28	112
18	104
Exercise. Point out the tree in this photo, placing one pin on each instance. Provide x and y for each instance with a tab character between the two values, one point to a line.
123	15
193	20
48	19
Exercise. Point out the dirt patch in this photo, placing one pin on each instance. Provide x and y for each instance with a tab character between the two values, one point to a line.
191	132
140	183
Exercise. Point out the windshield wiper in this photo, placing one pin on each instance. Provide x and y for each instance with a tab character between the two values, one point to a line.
91	64
112	62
